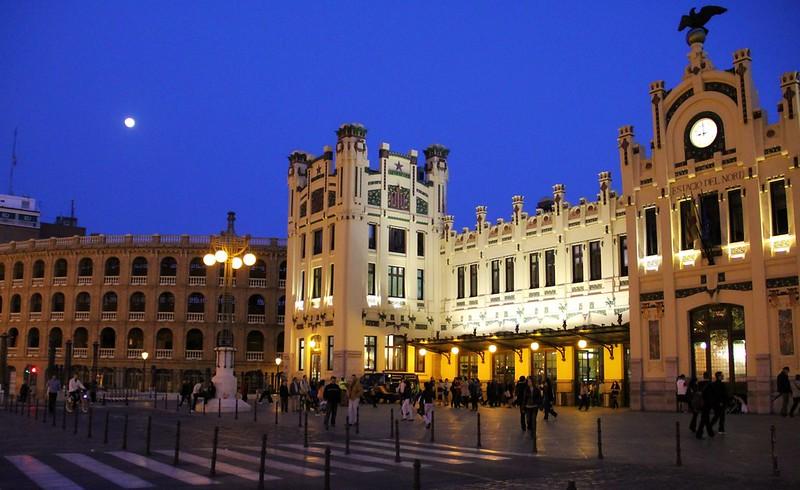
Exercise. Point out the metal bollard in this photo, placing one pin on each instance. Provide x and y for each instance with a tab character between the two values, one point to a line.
327	468
104	399
45	408
105	431
417	483
305	433
175	461
535	436
36	411
678	461
479	430
396	441
300	415
165	401
255	411
55	413
91	418
775	470
347	435
263	461
178	403
599	440
236	408
276	411
214	451
125	433
433	425
219	408
64	418
391	422
571	485
358	417
147	435
204	406
126	398
75	428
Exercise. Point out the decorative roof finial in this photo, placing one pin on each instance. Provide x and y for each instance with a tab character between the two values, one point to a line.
696	22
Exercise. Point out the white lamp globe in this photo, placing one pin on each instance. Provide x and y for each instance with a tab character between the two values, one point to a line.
129	122
423	351
278	361
249	259
534	345
145	355
492	348
236	263
209	259
582	344
454	350
221	256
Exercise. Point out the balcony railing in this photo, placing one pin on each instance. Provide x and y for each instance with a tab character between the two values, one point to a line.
165	316
37	281
56	316
108	316
258	283
195	317
221	282
35	316
197	280
224	317
82	315
257	319
106	353
135	353
282	283
84	280
14	317
254	356
166	280
111	280
60	281
193	355
59	351
281	319
12	352
138	280
80	352
136	316
33	351
163	353
17	283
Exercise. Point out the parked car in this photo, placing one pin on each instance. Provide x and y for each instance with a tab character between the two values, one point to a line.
382	387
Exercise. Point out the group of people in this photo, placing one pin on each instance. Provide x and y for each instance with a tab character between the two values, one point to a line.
703	398
788	389
202	389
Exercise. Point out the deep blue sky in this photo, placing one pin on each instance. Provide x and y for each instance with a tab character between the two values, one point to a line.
526	94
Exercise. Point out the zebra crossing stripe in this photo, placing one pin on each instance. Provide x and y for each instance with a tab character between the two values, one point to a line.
41	474
404	454
115	476
164	469
314	459
220	466
271	463
356	457
466	449
445	452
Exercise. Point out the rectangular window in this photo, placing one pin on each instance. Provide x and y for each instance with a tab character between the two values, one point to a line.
778	208
420	284
370	352
595	261
509	274
577	263
302	245
473	280
655	340
650	232
372	240
549	268
420	244
460	282
332	244
709	219
495	276
330	282
301	354
735	216
329	353
316	283
419	365
317	242
302	285
623	255
371	279
397	240
534	270
397	282
395	353
688	224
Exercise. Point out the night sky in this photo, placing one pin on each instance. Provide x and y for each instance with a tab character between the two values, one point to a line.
525	94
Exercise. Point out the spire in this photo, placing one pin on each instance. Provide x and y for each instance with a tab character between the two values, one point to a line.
231	220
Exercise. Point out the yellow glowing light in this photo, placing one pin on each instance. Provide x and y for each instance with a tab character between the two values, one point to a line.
312	343
454	350
423	351
145	355
249	259
236	263
221	256
209	259
582	344
534	345
492	348
278	361
703	345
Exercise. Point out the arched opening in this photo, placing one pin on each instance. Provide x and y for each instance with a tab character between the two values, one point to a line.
56	338
13	335
135	339
282	271
255	342
85	267
258	270
36	303
279	343
57	303
282	305
133	379
112	267
255	305
83	302
253	381
16	303
225	338
166	302
196	303
228	305
19	271
197	268
194	340
33	338
139	267
60	268
110	301
108	338
38	269
169	266
80	339
137	303
164	340
106	378
718	343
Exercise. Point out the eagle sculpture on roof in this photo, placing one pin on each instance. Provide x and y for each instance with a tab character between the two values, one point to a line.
698	20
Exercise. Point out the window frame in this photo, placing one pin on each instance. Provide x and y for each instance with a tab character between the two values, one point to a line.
370	346
397	279
576	254
398	243
595	260
509	274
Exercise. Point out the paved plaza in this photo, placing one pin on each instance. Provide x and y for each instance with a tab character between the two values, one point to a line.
639	449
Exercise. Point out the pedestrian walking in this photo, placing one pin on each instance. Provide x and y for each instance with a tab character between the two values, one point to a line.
583	397
519	395
680	393
695	401
24	391
532	400
186	392
795	394
615	394
354	392
197	392
784	390
294	394
720	402
446	392
53	387
406	412
332	396
304	389
474	393
283	391
427	401
548	399
708	401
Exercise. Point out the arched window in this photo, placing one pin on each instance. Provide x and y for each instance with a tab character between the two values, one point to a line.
225	338
110	301
137	303
33	338
36	303
255	305
80	338
279	343
57	303
197	268
19	271
56	337
60	268
282	271
2	271
16	303
83	302
282	305
164	339
166	302
85	267
38	269
196	303
139	266
112	267
194	339
135	339
259	270
13	334
169	266
255	341
231	302
108	338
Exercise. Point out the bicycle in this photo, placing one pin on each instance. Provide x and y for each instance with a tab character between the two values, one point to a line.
82	400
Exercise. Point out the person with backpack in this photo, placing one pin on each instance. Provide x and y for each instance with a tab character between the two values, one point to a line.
519	395
333	397
426	400
720	402
708	397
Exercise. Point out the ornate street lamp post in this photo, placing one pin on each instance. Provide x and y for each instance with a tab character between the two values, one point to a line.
145	355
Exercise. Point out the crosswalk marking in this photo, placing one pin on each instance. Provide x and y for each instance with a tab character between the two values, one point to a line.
468	449
407	453
357	457
164	469
448	452
271	463
315	459
220	466
115	476
41	474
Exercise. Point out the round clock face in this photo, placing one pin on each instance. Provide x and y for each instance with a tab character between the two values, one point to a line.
703	132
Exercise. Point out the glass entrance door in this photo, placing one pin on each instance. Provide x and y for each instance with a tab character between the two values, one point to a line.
718	343
503	366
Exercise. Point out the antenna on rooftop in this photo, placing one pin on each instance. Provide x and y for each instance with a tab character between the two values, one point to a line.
13	164
72	208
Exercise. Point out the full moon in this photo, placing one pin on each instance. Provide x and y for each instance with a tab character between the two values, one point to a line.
130	122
